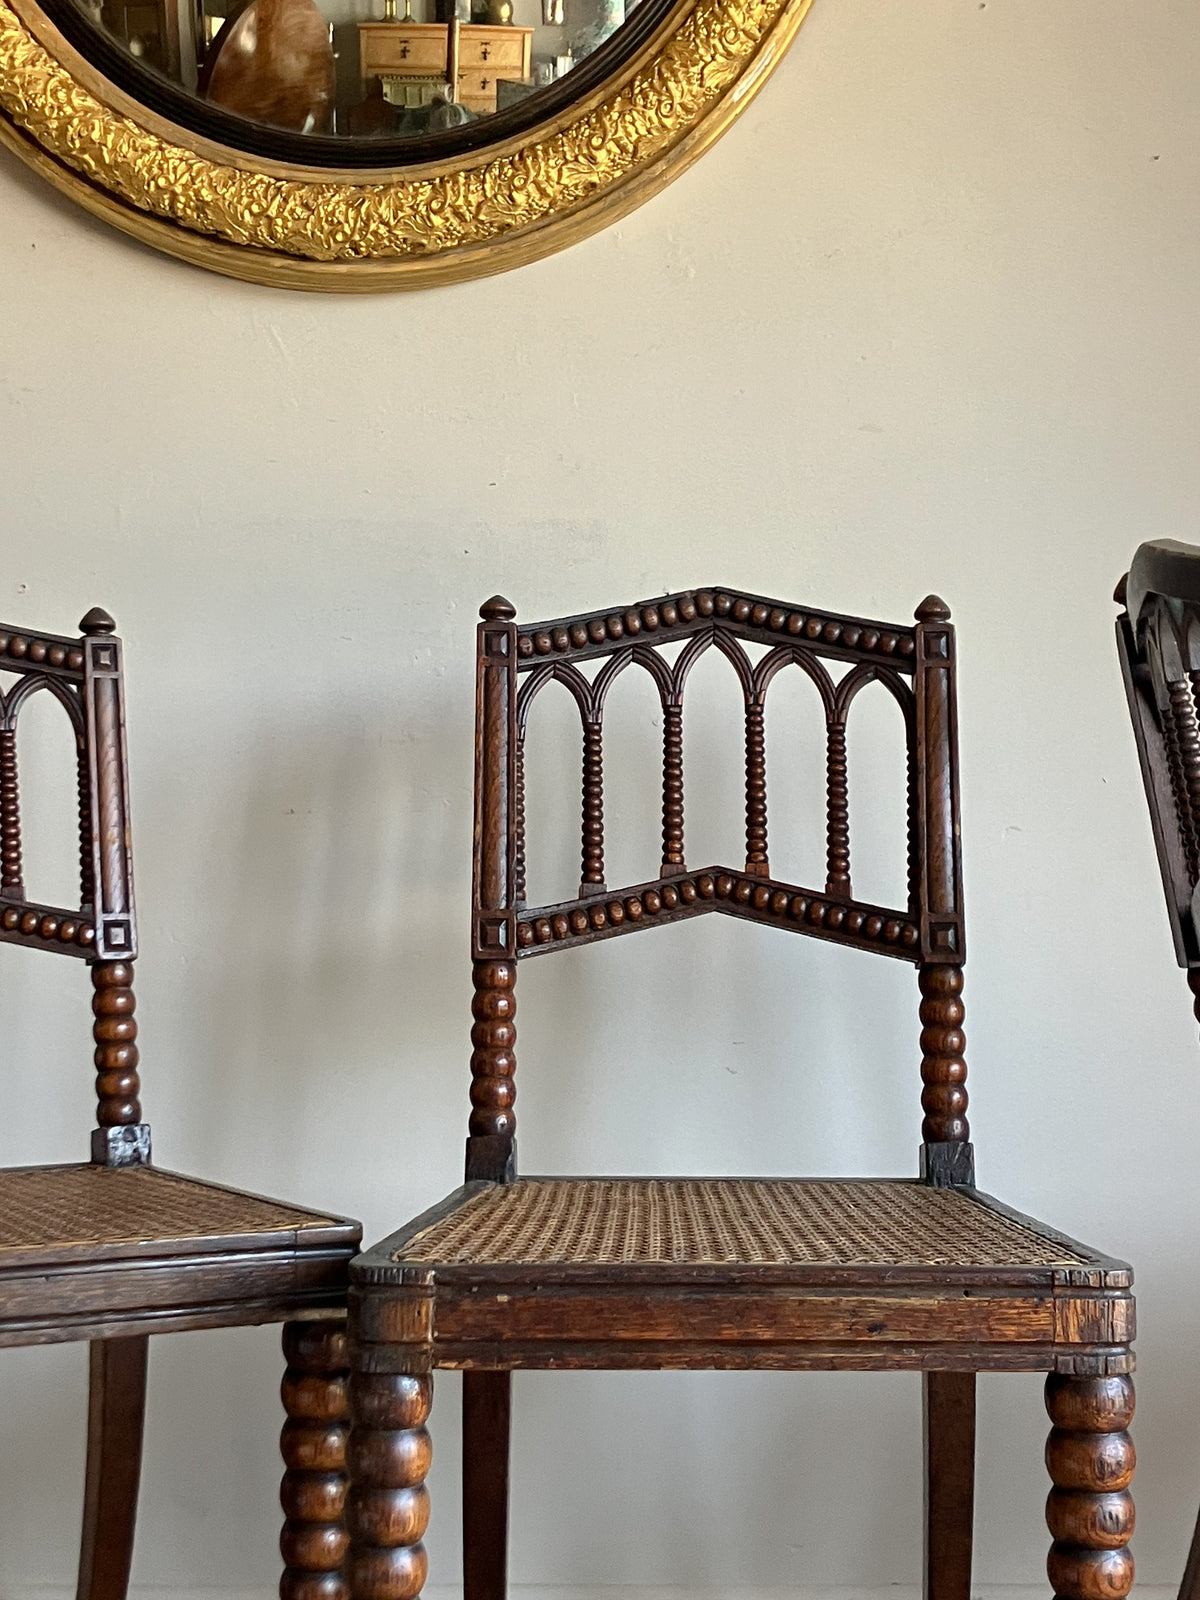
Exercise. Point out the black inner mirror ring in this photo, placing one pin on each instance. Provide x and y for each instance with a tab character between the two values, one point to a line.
180	106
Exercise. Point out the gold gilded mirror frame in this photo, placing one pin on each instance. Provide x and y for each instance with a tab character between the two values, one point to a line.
294	227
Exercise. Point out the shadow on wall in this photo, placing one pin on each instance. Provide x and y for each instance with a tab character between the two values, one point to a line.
715	1046
664	1456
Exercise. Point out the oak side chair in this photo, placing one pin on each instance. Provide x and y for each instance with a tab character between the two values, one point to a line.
116	1249
1158	641
924	1274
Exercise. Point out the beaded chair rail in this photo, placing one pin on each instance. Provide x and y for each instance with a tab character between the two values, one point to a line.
865	927
22	651
46	927
752	1222
676	616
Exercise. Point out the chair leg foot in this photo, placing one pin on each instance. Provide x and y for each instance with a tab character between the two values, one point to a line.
487	1403
387	1508
949	1425
116	1415
1090	1511
313	1444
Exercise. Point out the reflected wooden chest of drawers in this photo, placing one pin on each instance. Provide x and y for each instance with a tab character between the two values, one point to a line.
485	54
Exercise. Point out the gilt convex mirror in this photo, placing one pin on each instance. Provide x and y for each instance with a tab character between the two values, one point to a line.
371	144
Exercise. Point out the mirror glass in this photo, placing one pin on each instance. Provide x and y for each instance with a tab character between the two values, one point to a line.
404	79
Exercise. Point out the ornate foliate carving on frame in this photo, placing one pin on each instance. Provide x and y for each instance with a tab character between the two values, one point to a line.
497	207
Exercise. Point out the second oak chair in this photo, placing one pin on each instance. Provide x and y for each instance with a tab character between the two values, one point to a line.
924	1274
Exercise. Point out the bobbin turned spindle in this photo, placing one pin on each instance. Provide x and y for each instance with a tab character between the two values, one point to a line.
11	875
672	809
115	1032
493	1058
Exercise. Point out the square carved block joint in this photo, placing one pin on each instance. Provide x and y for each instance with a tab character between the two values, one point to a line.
944	938
495	935
104	656
116	937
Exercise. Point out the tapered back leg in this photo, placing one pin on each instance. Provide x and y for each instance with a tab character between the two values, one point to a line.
487	1404
116	1413
949	1419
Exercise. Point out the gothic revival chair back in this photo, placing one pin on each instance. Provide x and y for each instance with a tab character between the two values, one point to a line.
114	1249
915	664
1158	641
927	1274
84	675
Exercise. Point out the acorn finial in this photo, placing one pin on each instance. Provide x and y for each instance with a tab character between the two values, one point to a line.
97	621
932	609
497	609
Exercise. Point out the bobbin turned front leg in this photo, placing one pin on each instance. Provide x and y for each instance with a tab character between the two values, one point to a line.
387	1509
1090	1459
313	1442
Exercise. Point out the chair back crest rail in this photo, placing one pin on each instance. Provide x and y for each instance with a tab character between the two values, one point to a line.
84	675
915	664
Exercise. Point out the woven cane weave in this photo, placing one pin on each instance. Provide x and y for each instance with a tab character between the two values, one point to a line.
750	1222
57	1207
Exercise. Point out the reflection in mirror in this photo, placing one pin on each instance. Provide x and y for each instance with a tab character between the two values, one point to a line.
273	61
319	67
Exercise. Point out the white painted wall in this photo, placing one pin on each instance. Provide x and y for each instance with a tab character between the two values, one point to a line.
926	318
